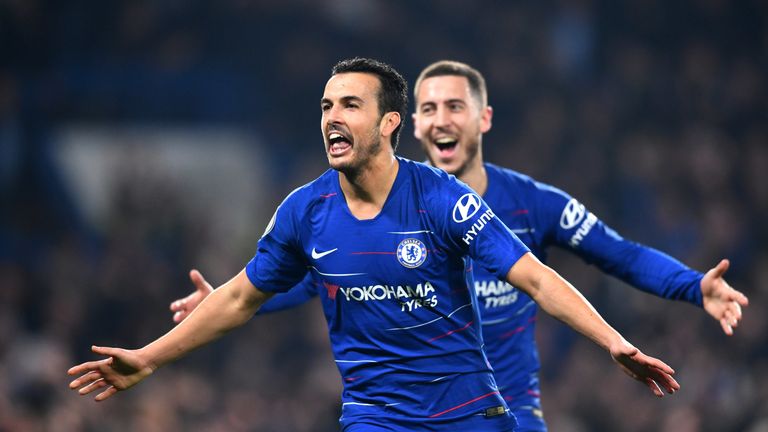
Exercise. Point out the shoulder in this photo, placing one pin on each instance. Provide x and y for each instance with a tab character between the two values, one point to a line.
522	183
430	179
511	177
317	190
423	171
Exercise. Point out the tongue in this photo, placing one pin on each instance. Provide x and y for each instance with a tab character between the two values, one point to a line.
446	150
339	147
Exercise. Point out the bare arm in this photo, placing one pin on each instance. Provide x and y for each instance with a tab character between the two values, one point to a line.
227	307
561	300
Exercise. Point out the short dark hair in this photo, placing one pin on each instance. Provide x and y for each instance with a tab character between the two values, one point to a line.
454	68
393	94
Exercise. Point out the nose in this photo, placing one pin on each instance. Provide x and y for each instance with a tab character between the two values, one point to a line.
442	117
330	116
334	111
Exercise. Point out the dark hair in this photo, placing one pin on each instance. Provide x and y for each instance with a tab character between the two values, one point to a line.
454	68
393	94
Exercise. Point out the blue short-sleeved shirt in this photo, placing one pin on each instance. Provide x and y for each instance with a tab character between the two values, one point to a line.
396	292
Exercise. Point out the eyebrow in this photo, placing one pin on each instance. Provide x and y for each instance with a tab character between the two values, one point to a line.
344	99
449	101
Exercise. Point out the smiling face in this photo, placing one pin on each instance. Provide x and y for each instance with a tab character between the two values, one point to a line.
351	120
450	123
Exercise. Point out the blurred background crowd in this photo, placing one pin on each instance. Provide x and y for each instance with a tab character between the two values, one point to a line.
139	139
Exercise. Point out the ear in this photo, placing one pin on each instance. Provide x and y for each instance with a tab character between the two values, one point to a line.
389	122
485	119
416	131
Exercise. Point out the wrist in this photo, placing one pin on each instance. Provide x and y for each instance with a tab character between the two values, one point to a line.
616	344
147	362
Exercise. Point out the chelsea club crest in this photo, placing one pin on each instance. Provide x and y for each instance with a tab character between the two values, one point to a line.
411	253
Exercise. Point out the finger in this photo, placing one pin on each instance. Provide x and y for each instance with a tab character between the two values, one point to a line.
179	316
721	268
730	320
197	279
740	299
202	285
87	378
83	368
735	309
179	305
654	387
653	363
99	383
667	381
176	305
727	329
106	393
107	351
728	315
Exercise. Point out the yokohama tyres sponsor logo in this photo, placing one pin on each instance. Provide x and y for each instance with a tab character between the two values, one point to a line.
410	298
495	293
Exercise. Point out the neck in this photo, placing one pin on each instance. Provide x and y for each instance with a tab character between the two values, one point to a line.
366	190
474	175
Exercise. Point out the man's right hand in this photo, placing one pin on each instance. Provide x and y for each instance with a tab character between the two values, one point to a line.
181	308
121	370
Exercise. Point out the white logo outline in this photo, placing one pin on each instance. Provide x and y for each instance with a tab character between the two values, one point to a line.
573	214
466	207
317	255
412	257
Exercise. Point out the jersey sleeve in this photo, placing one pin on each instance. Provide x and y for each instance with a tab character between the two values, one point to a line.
570	225
296	296
472	228
279	263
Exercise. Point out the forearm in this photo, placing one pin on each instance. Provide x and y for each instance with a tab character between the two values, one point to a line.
641	266
227	307
560	299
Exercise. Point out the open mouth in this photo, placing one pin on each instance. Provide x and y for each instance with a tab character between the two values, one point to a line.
446	146
338	143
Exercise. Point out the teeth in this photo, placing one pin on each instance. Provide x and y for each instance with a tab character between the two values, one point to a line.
335	135
445	140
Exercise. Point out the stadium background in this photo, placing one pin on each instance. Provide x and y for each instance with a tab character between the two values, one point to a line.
141	138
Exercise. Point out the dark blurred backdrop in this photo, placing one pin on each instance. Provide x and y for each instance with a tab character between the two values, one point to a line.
139	139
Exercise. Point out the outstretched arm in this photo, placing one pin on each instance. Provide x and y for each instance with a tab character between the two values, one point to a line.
227	307
720	300
660	274
561	300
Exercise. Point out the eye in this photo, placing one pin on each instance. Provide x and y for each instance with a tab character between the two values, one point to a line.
427	109
325	107
456	107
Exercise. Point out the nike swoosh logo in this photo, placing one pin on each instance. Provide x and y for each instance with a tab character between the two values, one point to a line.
318	255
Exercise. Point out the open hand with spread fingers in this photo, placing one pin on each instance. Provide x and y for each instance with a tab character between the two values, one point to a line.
651	371
720	300
182	307
121	370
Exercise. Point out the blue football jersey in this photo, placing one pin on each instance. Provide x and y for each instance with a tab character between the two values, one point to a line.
397	294
543	216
